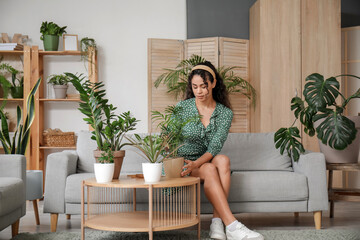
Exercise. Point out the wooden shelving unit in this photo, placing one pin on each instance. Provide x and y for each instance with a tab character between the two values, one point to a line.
37	70
26	54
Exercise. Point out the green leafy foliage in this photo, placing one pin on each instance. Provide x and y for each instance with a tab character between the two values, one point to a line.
334	130
50	28
16	84
176	79
58	79
22	131
107	156
109	128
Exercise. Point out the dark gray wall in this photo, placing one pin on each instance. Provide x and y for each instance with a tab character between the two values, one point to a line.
230	18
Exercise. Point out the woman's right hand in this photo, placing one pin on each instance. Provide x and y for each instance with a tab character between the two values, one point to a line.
188	167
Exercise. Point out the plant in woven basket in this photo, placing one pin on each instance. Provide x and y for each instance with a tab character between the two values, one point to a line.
21	137
335	130
176	79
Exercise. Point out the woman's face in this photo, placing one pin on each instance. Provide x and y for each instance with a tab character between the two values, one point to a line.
200	90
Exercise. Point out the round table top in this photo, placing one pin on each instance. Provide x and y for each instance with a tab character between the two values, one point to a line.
130	182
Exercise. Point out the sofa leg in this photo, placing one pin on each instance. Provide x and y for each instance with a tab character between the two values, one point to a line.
296	214
54	220
317	219
68	216
15	228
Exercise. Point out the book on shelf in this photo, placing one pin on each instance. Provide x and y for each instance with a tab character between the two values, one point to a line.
11	46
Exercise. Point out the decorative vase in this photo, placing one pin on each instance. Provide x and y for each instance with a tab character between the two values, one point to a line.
17	92
51	42
173	167
104	172
349	154
118	160
60	91
152	172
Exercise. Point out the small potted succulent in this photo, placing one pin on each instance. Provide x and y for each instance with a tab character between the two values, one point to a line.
16	86
60	84
320	113
50	33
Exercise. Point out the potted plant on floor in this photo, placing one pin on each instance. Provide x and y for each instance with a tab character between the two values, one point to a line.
60	85
16	86
321	114
108	128
171	126
50	33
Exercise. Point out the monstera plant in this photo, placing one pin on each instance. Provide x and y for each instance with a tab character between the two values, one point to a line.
334	130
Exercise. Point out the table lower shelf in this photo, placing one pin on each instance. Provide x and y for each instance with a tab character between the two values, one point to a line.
343	194
139	221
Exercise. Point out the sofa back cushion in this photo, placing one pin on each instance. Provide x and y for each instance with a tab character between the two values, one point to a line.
85	147
254	152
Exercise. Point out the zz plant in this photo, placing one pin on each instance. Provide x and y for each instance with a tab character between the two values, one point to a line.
335	130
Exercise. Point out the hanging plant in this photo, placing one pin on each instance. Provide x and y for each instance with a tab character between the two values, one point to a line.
85	44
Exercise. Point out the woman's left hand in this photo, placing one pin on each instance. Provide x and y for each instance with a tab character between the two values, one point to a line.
190	165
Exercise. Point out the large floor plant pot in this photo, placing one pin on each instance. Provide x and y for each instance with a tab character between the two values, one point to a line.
51	42
60	91
173	167
104	172
118	161
349	154
152	172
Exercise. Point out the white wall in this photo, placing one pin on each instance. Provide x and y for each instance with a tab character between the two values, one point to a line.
121	29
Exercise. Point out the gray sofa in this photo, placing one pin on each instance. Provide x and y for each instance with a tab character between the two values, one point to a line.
262	180
12	191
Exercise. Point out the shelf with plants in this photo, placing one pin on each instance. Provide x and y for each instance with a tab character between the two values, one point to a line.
38	58
12	103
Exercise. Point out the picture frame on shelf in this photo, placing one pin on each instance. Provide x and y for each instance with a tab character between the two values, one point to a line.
70	42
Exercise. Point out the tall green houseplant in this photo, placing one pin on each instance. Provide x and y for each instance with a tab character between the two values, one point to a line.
335	130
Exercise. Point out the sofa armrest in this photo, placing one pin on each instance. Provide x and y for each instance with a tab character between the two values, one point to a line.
313	166
13	165
58	167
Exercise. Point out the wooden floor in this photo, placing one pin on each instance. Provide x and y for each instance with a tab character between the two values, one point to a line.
347	215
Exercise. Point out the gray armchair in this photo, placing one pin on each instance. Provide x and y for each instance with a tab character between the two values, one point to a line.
12	191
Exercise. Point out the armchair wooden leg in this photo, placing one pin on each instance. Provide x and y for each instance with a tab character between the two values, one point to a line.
54	220
15	228
296	214
317	219
68	216
36	212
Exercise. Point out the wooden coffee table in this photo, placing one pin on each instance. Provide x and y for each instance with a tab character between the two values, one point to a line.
173	204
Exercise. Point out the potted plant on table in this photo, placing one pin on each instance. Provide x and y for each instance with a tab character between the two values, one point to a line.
321	114
16	86
60	84
108	128
50	33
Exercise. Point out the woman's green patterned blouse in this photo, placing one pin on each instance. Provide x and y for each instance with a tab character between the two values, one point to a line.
198	139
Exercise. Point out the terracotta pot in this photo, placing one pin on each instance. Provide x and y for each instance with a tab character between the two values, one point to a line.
349	154
118	160
173	167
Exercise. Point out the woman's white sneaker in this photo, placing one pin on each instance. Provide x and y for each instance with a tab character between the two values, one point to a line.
217	230
243	233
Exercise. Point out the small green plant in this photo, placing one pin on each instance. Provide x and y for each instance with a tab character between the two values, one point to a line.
22	131
171	125
51	29
58	79
107	156
16	85
335	130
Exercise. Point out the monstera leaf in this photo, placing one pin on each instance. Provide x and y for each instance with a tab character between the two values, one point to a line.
319	93
285	138
305	114
336	130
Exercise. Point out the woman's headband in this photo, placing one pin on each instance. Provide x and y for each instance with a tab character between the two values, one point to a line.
206	68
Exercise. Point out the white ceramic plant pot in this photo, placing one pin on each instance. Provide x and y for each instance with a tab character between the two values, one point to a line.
152	172
60	91
104	172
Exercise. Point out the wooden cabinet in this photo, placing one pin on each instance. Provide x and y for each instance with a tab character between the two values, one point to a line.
37	128
289	40
220	51
13	102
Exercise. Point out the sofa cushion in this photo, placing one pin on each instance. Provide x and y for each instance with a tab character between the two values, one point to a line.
12	194
85	147
268	186
73	186
254	151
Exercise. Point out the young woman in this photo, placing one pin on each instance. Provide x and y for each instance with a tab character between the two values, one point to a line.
207	96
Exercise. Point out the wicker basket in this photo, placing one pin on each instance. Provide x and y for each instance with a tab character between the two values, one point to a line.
57	138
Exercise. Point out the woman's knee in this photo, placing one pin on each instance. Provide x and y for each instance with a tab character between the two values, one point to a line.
208	169
222	162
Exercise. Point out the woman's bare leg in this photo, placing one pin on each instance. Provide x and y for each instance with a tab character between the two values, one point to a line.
214	191
222	163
